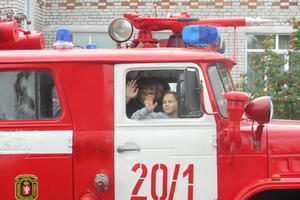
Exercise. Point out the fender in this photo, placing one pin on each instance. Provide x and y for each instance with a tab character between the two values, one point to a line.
267	184
88	196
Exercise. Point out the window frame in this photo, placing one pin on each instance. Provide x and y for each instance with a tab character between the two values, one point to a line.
120	91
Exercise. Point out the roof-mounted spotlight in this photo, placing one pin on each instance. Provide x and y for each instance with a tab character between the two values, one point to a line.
120	30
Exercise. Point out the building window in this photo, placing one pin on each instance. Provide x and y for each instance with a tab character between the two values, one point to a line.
102	40
280	46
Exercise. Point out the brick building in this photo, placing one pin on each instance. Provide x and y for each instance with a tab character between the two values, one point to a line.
88	20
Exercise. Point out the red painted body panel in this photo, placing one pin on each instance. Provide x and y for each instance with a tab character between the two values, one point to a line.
114	56
54	173
252	171
90	97
242	168
284	148
290	131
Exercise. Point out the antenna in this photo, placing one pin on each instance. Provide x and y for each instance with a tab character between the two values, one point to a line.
234	44
155	10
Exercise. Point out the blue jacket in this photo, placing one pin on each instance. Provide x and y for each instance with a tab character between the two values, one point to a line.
144	113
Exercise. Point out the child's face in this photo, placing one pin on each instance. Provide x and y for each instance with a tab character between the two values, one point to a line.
144	93
170	104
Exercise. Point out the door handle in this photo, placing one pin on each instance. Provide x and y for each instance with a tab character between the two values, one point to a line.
123	149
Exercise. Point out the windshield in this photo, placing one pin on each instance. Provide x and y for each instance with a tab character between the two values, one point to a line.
221	83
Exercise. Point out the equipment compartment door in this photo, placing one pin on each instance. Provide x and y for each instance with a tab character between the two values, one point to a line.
35	134
172	159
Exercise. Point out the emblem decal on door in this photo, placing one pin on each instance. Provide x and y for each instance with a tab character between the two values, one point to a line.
26	187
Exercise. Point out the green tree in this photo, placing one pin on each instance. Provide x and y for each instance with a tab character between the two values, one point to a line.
271	80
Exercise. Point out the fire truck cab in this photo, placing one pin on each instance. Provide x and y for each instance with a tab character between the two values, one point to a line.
65	134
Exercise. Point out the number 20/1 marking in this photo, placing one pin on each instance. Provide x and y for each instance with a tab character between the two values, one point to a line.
189	172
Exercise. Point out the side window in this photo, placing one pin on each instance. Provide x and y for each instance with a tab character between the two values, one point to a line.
28	95
161	94
221	83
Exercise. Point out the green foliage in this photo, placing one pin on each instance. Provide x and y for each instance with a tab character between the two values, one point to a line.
271	80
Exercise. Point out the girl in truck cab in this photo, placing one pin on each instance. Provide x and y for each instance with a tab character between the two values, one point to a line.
170	107
161	87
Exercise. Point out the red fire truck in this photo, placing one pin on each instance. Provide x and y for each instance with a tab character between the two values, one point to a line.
64	132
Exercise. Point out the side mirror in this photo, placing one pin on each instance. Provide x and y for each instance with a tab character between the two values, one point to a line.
189	94
260	110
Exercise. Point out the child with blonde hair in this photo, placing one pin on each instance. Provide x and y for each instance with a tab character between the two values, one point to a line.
170	107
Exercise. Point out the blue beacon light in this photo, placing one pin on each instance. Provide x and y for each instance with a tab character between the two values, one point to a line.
63	39
200	35
91	46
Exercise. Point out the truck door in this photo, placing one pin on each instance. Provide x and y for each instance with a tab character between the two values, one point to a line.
172	158
35	134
